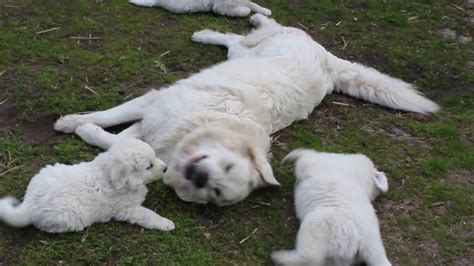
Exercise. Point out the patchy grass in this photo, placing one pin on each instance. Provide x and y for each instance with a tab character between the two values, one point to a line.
427	216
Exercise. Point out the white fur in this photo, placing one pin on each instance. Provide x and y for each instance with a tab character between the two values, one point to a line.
62	198
333	194
274	76
232	8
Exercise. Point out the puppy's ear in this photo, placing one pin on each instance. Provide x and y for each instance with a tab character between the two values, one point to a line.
119	174
293	156
381	181
263	167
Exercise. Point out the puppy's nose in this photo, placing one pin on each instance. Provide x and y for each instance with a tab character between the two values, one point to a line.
196	175
165	169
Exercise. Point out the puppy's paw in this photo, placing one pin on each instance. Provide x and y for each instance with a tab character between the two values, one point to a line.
240	11
68	123
147	3
265	11
164	224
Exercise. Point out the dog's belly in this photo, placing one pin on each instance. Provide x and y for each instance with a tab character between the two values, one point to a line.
272	91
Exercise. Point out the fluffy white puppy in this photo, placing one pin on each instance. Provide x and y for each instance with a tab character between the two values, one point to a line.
212	129
333	195
231	8
63	198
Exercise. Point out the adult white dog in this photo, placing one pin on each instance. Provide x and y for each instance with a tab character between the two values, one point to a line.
213	128
64	198
333	195
231	8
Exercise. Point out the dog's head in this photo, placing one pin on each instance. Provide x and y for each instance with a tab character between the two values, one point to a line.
134	163
356	166
215	165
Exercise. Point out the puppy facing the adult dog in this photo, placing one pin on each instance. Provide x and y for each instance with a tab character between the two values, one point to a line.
333	195
212	129
231	8
63	198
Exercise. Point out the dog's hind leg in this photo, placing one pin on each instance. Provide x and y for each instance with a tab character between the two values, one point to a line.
216	38
124	113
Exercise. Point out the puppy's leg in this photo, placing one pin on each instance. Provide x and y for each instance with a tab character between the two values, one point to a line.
258	9
259	20
230	9
146	218
373	252
127	112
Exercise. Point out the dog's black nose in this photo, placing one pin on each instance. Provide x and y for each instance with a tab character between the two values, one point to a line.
165	169
196	175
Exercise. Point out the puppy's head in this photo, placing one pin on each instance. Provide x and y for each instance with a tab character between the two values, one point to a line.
213	165
355	166
134	163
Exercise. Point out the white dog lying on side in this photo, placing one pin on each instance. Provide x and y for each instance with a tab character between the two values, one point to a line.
212	129
333	195
231	8
63	198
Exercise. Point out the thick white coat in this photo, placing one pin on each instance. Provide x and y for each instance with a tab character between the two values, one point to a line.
232	8
63	198
333	194
274	76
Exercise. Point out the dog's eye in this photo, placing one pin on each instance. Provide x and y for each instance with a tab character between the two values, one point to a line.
228	167
149	167
217	192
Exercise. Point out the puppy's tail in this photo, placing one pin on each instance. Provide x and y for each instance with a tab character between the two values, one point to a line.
369	84
13	213
289	257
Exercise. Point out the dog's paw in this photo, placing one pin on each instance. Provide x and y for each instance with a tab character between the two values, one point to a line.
258	19
68	123
202	36
148	3
164	225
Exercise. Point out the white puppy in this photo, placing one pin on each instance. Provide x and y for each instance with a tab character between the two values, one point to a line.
333	195
212	129
231	8
64	198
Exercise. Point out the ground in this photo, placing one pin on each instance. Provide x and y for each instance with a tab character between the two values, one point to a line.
427	215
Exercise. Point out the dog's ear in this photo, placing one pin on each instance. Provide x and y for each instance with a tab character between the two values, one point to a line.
381	181
263	167
119	174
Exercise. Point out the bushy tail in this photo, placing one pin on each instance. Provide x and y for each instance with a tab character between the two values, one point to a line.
14	213
369	84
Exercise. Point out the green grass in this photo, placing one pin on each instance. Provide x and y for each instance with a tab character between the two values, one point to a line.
426	217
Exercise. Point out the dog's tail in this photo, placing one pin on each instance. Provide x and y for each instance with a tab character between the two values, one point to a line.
369	84
14	213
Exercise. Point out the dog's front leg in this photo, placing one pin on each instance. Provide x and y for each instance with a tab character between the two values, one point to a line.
145	217
127	112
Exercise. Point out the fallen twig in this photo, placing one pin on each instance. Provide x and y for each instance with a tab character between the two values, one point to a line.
85	38
245	239
91	90
165	53
303	26
48	30
345	43
4	101
11	169
342	104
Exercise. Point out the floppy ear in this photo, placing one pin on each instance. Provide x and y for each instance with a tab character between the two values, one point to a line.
263	167
381	181
118	174
292	157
